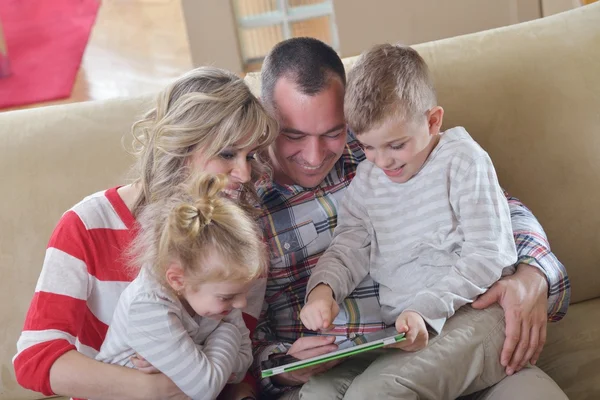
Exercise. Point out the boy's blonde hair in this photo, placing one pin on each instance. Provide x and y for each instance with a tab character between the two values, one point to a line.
206	108
198	220
388	81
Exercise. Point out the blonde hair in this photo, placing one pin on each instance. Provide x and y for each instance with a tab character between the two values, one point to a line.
209	109
198	220
387	81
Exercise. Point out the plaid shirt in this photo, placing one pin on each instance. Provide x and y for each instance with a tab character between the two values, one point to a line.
298	224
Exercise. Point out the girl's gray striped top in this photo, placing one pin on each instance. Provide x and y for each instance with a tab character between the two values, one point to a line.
198	354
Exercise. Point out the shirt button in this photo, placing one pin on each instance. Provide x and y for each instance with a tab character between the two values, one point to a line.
286	246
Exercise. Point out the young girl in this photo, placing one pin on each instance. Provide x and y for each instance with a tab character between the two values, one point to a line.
199	254
205	121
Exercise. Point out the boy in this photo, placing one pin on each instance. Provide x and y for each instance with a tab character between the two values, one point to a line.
426	217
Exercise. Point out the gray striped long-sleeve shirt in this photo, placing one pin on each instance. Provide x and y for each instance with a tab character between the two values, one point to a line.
198	354
433	243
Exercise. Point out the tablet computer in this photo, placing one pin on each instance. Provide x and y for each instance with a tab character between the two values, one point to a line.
348	347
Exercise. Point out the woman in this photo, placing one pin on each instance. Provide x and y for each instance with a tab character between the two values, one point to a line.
206	121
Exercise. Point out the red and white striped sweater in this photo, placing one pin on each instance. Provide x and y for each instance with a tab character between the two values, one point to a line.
83	275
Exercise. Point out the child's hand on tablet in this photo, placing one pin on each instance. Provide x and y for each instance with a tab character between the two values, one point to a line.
413	325
320	309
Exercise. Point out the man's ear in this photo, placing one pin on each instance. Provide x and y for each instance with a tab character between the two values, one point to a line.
435	116
175	277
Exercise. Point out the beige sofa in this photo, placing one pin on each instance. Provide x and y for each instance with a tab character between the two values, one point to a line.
530	94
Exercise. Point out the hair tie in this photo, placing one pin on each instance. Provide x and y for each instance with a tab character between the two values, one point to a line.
205	219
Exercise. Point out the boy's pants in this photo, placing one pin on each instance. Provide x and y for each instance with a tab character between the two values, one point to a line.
463	359
530	383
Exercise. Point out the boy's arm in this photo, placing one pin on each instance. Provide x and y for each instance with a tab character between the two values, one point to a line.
266	343
346	261
488	247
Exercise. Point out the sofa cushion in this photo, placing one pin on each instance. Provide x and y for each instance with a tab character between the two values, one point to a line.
572	354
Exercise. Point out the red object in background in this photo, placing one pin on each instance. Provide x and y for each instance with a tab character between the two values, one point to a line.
4	65
45	40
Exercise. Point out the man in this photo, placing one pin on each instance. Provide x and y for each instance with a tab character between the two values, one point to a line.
314	160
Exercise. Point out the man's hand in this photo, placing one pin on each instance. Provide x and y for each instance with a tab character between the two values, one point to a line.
303	348
320	309
413	326
524	298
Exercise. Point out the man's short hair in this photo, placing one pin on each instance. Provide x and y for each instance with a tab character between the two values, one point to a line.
388	81
308	62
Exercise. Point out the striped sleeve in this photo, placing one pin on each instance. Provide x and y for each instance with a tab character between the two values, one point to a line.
62	285
346	262
533	249
156	332
244	356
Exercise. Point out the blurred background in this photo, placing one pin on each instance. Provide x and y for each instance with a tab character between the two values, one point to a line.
133	47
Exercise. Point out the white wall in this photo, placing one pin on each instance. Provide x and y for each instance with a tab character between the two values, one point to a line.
362	24
212	33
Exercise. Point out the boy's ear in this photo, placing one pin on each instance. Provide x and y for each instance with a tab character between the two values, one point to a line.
175	277
435	117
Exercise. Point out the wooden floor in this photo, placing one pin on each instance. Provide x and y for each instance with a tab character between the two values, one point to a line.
136	47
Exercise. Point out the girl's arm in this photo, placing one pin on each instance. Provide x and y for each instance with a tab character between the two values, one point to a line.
156	332
244	357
